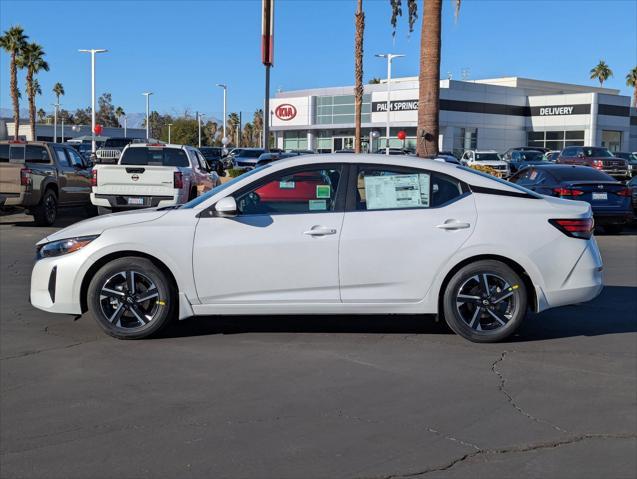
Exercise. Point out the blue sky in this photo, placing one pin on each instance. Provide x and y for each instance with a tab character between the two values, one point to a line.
181	49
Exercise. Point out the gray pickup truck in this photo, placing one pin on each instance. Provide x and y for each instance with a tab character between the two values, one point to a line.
41	177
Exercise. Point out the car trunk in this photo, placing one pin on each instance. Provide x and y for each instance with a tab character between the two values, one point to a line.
134	180
600	194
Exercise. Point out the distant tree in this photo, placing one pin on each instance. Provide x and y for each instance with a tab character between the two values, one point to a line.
601	72
58	91
211	133
631	80
41	115
13	41
374	81
247	135
257	125
185	131
232	126
31	57
119	112
66	117
82	116
105	114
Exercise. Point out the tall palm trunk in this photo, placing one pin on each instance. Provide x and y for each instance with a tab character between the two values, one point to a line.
14	95
31	96
635	96
358	75
429	80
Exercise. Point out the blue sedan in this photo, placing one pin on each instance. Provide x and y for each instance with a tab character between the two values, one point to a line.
609	198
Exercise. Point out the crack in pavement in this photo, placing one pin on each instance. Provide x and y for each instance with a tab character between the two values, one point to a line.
454	439
38	351
502	388
510	450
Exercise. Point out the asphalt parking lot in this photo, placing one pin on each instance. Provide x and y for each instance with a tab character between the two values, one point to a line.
318	397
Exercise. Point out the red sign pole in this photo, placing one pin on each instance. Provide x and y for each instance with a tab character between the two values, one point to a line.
267	58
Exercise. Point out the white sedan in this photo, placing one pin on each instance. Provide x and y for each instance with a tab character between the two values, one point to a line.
329	234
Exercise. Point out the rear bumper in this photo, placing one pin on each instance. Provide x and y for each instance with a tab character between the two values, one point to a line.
121	201
13	199
608	218
583	283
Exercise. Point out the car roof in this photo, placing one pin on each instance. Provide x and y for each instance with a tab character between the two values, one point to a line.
162	145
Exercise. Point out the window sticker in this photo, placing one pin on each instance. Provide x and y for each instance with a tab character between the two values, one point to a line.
287	185
318	205
323	191
397	191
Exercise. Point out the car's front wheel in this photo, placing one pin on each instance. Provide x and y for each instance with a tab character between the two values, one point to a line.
485	301
131	298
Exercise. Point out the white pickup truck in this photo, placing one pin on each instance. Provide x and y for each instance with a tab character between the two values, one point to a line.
151	175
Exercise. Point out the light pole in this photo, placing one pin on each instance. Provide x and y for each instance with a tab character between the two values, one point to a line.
147	95
93	52
55	122
389	57
125	125
225	94
199	116
169	125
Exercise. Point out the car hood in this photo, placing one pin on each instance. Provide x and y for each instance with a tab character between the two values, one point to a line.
99	224
491	163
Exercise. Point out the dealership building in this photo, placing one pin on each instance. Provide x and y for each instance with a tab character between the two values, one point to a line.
493	114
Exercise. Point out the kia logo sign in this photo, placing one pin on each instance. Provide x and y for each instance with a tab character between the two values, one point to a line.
285	112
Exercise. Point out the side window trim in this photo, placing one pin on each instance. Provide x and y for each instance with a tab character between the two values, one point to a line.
352	185
339	203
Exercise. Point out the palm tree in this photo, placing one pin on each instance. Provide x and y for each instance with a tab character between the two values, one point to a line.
429	75
12	42
631	80
119	112
257	123
358	74
233	128
31	57
41	115
601	72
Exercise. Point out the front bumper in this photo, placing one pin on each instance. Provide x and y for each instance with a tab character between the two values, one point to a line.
121	201
53	286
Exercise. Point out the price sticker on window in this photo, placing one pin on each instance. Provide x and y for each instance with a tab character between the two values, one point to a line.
323	191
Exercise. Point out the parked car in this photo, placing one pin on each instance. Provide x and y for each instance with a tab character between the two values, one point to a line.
266	158
448	159
632	184
507	154
521	159
631	158
354	234
246	157
488	158
302	152
41	177
151	175
609	198
112	148
551	156
596	157
214	158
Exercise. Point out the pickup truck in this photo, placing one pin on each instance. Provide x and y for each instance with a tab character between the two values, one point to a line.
595	157
151	175
41	177
112	148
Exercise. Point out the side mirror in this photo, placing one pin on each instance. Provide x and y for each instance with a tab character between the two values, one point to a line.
226	207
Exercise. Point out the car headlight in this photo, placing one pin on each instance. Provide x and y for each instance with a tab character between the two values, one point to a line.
65	246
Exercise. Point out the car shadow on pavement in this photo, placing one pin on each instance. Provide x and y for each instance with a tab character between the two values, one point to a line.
614	311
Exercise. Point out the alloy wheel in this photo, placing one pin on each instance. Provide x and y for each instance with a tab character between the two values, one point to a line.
130	300
486	302
50	208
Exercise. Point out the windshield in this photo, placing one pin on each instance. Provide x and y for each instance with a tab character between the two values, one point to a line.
218	189
157	156
210	152
250	153
487	157
596	152
116	142
499	180
531	156
580	173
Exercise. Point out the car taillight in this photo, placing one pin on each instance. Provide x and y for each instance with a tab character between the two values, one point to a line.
178	180
25	177
567	192
575	228
94	177
598	164
624	192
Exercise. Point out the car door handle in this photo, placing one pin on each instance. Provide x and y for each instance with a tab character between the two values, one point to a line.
320	231
453	225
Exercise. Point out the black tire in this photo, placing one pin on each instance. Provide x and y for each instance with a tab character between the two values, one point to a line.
46	212
102	210
485	317
613	229
117	308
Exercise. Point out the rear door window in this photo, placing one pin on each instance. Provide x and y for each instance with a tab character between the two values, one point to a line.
155	156
4	153
16	153
37	154
76	159
61	156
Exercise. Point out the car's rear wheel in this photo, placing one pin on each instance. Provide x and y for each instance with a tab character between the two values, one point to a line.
131	298
485	301
46	212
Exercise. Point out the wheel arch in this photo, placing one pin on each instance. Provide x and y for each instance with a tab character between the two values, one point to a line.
95	267
532	299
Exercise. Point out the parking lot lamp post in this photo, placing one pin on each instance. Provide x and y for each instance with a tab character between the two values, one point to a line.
93	52
125	125
389	57
62	130
225	93
55	122
169	125
147	95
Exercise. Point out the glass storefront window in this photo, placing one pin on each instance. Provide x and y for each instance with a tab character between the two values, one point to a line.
339	109
555	140
464	139
612	140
